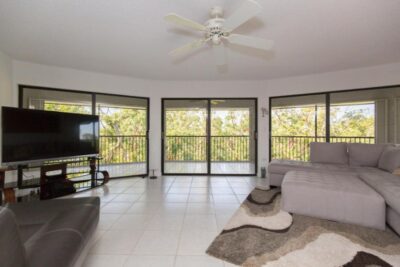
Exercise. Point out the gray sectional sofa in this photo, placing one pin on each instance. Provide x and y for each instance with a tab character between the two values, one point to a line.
47	233
352	183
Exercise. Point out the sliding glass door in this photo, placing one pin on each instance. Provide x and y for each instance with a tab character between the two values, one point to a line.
185	127
209	136
123	134
233	136
354	116
124	122
295	123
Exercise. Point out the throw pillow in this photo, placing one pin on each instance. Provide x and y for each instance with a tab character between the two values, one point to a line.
390	159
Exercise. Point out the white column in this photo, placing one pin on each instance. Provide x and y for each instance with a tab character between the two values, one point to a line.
381	121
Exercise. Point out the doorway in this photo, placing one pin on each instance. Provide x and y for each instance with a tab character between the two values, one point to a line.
209	136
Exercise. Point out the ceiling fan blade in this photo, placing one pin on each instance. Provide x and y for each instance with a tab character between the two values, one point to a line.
248	41
219	54
181	21
247	10
187	48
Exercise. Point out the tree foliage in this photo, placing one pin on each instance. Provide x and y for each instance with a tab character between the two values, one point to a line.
294	128
186	135
65	107
123	130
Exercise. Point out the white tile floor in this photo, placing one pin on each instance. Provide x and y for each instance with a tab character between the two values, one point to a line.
216	167
165	222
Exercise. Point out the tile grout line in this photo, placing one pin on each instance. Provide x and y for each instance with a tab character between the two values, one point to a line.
181	230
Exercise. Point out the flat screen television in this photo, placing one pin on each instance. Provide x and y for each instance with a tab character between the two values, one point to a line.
33	135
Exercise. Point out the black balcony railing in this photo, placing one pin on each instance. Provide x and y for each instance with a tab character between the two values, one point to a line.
194	148
123	149
298	147
230	148
186	148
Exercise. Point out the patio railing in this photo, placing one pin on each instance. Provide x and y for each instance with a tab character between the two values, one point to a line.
194	148
123	149
230	148
133	149
298	147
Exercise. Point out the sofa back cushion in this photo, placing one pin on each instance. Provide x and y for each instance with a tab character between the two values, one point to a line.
335	153
365	155
390	159
12	251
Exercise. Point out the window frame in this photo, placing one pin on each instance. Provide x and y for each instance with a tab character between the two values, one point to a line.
93	95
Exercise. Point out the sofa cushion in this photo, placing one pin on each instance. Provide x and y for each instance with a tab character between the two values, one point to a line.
56	248
29	229
12	251
390	159
386	184
365	154
83	220
283	166
335	153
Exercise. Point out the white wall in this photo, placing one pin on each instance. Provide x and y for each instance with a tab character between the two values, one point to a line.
6	86
381	75
40	75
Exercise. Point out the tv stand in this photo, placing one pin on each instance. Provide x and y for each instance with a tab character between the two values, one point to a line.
49	183
9	193
55	185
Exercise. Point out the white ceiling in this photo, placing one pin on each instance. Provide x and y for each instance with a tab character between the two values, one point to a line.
129	37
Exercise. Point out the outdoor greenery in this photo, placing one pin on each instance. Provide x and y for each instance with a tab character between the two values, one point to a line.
186	135
294	128
193	122
123	131
123	134
298	121
353	120
65	107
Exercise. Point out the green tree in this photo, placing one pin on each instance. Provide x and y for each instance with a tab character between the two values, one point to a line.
65	107
294	128
122	130
186	134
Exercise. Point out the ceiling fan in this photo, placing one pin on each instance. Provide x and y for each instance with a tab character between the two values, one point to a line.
218	30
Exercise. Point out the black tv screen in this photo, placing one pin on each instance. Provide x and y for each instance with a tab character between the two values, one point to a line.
32	135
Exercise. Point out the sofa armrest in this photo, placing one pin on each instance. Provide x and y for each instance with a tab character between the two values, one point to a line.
12	251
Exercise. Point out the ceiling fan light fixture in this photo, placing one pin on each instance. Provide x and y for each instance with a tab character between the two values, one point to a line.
216	12
217	28
216	40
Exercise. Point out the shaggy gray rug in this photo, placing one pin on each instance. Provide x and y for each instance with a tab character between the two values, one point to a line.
261	234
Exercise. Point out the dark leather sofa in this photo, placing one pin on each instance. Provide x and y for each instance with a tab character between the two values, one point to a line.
47	233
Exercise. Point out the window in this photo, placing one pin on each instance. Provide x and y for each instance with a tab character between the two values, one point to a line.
124	124
354	116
